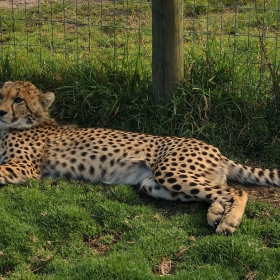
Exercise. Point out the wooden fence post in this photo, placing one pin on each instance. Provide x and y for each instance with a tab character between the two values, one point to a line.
167	52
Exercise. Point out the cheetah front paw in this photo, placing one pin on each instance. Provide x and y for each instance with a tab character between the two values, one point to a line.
215	214
228	226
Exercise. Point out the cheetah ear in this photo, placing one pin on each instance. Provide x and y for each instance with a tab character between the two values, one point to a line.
7	83
47	100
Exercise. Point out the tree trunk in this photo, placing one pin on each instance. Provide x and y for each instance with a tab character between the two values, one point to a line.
167	53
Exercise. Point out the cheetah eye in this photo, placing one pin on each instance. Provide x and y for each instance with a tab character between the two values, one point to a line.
18	100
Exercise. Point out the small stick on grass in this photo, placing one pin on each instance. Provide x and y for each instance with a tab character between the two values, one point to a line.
48	260
251	275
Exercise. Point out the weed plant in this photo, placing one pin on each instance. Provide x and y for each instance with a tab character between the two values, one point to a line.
75	230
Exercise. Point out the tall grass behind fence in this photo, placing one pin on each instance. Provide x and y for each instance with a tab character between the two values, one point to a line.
239	40
55	35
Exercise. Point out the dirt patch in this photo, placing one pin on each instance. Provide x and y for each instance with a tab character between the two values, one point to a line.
21	4
260	193
101	244
18	3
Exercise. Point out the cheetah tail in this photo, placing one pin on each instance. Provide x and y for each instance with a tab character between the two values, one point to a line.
245	174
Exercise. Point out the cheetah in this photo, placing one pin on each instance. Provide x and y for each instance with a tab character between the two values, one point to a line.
33	145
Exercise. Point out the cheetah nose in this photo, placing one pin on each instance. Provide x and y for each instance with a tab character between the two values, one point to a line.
3	113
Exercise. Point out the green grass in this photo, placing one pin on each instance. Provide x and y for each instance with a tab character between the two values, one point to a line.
49	40
102	77
57	230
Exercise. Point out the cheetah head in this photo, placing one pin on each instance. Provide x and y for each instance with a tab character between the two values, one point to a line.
22	105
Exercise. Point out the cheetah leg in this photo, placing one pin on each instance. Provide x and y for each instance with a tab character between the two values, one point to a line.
233	213
215	214
150	187
17	173
225	212
228	205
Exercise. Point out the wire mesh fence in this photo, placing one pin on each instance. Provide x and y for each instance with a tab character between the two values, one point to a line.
73	30
240	35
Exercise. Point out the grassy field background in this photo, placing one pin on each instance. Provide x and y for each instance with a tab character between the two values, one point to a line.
101	76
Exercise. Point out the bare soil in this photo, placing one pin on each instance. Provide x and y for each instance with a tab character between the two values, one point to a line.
33	3
18	3
269	194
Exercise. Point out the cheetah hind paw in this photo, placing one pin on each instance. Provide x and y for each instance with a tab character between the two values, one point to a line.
215	214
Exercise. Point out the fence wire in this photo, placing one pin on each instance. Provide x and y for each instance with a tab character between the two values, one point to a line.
244	34
73	30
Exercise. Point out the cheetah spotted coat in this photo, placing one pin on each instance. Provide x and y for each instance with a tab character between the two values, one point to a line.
34	146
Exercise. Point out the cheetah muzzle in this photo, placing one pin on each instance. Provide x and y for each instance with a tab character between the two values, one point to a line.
33	145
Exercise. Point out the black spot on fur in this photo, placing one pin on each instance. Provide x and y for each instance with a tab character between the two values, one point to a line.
91	170
171	180
192	167
194	191
177	187
174	194
103	158
240	193
161	181
158	173
103	172
68	176
81	167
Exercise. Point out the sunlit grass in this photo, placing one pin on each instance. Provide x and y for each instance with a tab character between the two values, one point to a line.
58	230
99	65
